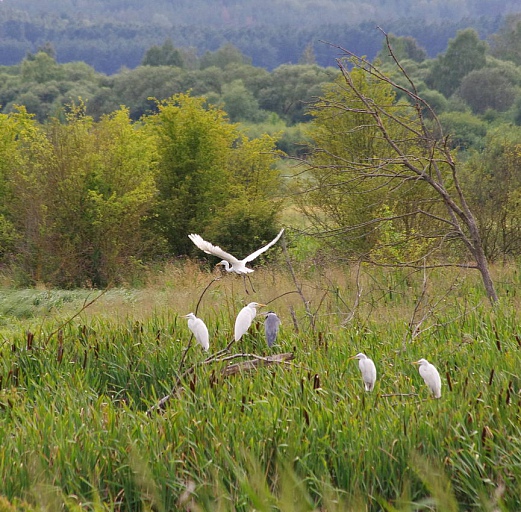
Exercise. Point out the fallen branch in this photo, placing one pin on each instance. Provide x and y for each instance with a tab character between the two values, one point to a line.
252	364
233	369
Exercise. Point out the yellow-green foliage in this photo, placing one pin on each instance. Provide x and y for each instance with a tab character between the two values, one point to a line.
86	202
212	180
392	243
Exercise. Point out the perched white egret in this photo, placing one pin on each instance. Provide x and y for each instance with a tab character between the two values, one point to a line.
198	327
430	376
245	318
229	262
368	370
271	327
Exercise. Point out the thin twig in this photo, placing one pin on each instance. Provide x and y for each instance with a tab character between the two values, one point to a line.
69	320
297	286
398	394
358	296
189	346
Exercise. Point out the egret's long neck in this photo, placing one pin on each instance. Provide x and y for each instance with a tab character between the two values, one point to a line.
226	266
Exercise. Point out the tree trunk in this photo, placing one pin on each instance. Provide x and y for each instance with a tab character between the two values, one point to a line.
482	265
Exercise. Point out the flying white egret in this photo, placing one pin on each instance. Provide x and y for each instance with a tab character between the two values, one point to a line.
368	370
271	327
198	327
245	318
229	262
430	376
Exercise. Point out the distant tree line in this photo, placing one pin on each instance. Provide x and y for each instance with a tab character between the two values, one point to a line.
472	85
266	102
111	38
233	14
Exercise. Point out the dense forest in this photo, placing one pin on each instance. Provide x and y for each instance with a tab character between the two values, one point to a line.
110	35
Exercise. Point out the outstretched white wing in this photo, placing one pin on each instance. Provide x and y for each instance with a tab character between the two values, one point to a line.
209	248
253	255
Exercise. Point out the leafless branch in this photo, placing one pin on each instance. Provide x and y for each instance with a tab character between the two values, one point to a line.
413	153
297	285
86	304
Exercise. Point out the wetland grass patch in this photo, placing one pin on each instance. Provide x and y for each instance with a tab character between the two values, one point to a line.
300	436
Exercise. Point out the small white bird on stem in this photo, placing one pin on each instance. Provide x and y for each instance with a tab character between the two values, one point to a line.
368	370
245	318
199	329
430	376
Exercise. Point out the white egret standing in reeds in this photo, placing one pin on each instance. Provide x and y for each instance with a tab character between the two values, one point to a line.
368	370
430	376
245	318
199	329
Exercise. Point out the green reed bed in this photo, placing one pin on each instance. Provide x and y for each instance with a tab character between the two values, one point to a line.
298	436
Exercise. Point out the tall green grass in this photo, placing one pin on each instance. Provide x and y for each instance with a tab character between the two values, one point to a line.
74	397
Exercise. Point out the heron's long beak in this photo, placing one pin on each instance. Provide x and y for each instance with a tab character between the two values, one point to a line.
415	362
261	305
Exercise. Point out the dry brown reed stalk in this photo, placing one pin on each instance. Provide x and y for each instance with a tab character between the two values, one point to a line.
298	287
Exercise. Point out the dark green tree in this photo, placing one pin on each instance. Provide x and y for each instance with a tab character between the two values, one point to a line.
466	130
292	88
41	68
465	53
404	48
485	88
137	88
225	55
212	180
194	178
165	55
506	44
241	104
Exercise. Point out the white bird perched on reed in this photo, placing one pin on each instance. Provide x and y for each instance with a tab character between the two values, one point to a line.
368	370
430	376
271	327
229	262
245	318
199	329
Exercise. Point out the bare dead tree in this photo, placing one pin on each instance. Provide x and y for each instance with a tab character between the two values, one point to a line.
420	156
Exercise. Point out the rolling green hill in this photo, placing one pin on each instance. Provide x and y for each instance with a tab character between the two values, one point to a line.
110	35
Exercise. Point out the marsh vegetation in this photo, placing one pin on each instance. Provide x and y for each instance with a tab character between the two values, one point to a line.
76	385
